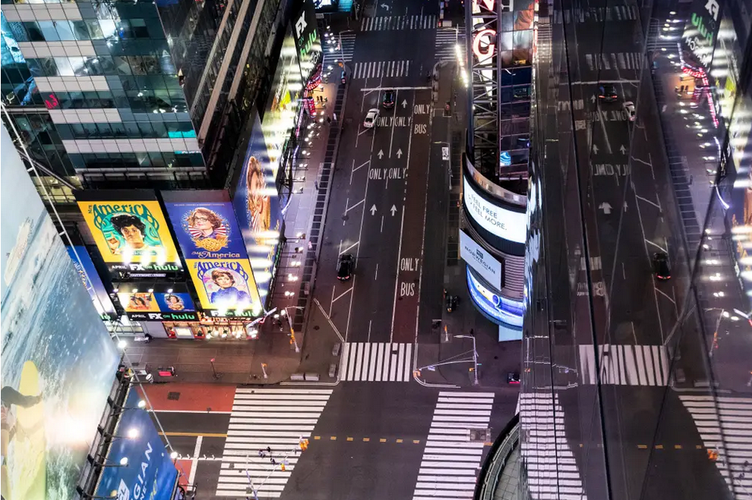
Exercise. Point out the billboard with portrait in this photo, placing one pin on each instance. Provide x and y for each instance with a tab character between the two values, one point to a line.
58	362
257	208
225	284
174	302
149	471
129	229
163	301
206	229
139	301
92	282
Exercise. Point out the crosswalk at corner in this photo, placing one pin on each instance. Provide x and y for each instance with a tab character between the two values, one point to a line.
624	365
342	48
616	60
261	418
725	426
451	459
447	39
379	69
376	362
387	23
551	466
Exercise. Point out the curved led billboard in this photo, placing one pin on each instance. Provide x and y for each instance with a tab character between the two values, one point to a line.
499	222
495	307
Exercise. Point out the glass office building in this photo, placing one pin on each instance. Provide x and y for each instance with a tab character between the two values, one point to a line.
636	379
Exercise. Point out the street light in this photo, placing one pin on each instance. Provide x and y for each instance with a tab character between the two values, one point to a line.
284	313
475	356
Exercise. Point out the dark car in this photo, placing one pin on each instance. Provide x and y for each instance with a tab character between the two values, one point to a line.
660	266
607	92
388	100
345	265
513	378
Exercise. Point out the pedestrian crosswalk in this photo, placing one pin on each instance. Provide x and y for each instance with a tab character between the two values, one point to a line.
551	466
387	23
450	459
261	418
624	365
597	14
447	39
379	69
543	42
376	362
615	60
339	48
725	426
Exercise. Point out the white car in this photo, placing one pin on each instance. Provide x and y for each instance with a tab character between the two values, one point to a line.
371	117
628	106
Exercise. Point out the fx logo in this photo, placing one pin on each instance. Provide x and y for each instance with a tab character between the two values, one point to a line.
300	24
155	316
712	7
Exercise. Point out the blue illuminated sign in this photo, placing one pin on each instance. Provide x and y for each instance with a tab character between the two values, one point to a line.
496	307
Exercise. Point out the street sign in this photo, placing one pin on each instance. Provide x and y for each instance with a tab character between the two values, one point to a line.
445	153
431	368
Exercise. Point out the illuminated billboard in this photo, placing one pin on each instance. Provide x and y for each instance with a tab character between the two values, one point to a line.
698	38
148	472
497	308
257	207
92	282
501	222
159	302
225	284
307	39
58	362
130	231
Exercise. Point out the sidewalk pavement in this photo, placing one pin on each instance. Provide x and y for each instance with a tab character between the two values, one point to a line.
496	358
281	342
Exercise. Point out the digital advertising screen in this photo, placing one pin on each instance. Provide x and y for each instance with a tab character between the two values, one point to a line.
149	471
206	230
166	302
501	222
257	207
92	282
307	39
139	301
497	308
698	38
131	235
225	284
58	362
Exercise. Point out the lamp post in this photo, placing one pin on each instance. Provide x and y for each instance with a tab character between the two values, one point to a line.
284	313
475	356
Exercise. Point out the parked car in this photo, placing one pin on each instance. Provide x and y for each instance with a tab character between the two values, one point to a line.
371	117
345	265
661	267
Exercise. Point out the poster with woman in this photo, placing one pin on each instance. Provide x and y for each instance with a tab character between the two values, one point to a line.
206	230
224	284
174	302
138	302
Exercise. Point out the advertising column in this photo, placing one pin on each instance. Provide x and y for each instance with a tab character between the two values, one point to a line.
204	222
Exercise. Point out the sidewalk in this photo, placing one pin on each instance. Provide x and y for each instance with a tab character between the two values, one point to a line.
496	358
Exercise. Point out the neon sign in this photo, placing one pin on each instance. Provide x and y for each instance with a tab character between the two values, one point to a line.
484	51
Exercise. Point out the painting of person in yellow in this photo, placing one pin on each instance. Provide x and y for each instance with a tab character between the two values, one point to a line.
259	204
23	438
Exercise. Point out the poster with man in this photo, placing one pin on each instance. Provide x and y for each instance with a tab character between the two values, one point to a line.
128	231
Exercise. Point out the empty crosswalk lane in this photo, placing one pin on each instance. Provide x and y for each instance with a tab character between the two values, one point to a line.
725	426
387	23
379	69
339	48
597	14
448	41
615	61
450	458
624	364
552	470
376	362
267	418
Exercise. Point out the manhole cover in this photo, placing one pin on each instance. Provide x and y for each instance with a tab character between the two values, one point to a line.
173	396
316	327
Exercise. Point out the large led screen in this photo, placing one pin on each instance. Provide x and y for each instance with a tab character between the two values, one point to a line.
129	229
149	471
206	229
257	207
92	282
58	362
494	306
501	222
698	38
225	284
165	301
307	38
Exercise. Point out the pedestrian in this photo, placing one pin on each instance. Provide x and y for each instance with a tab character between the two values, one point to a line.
329	120
472	332
316	185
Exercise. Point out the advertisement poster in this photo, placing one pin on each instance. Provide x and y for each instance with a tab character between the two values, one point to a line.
150	472
497	308
164	302
307	39
225	284
699	35
206	230
139	301
257	208
92	282
505	224
58	362
174	302
129	232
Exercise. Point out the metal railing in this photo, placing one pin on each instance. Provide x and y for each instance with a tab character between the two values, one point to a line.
490	473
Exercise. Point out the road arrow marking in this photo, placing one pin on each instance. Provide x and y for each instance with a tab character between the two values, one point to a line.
393	210
606	207
623	149
404	103
595	149
625	206
373	210
592	99
380	154
399	153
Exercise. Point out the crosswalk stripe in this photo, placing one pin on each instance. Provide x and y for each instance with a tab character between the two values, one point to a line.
646	365
392	23
450	459
381	69
719	422
597	14
261	418
376	362
334	52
